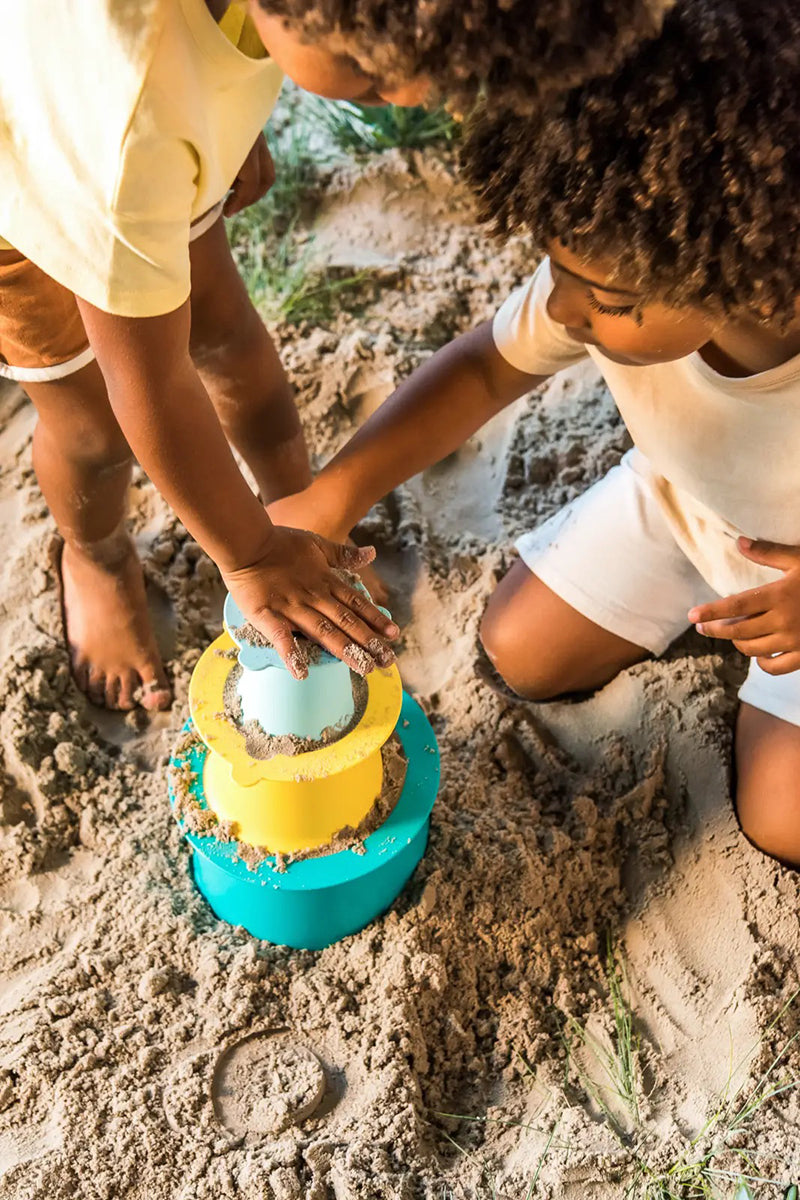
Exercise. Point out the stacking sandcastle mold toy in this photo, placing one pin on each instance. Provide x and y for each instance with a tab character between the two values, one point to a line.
279	784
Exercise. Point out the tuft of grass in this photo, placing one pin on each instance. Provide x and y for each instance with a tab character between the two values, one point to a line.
358	128
274	260
698	1173
286	285
618	1061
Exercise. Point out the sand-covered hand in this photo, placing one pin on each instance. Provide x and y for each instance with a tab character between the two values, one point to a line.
298	585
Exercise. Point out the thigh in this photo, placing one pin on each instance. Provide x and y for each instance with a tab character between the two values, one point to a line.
768	782
542	646
76	413
222	313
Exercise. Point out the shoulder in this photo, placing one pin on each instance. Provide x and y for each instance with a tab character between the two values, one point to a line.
527	336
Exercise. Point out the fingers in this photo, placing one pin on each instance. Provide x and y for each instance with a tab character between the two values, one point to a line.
743	604
769	554
358	618
322	630
356	604
783	664
266	166
337	627
278	632
734	629
761	647
252	181
349	557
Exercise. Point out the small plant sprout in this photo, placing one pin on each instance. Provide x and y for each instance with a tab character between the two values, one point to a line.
609	1067
357	128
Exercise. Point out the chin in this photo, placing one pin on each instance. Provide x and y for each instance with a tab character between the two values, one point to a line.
623	359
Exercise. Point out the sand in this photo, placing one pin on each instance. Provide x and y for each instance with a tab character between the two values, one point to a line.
149	1052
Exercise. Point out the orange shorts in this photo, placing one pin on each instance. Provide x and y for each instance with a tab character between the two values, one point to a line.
41	332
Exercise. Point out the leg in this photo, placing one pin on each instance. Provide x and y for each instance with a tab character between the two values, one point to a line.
767	774
542	646
83	465
242	373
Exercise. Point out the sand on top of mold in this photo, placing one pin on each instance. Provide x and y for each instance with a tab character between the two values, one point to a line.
120	993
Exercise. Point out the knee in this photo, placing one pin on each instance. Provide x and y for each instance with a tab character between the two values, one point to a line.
94	444
770	822
513	656
225	333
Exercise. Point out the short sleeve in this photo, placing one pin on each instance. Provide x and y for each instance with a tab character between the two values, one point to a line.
148	269
527	337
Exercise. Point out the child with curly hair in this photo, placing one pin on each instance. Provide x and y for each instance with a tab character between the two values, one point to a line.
122	129
666	199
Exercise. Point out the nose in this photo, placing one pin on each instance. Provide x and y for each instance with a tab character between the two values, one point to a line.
566	305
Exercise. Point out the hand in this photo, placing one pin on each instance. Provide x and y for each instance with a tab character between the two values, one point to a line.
764	622
297	584
255	178
303	510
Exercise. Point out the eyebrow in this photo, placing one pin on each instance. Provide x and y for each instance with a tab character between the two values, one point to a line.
602	287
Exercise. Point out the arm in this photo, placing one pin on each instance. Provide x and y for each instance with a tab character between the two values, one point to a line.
429	416
280	577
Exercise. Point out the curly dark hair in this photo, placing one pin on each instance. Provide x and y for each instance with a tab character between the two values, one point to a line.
684	164
508	48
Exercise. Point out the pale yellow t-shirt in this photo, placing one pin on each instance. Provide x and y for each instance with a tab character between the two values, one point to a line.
121	122
721	455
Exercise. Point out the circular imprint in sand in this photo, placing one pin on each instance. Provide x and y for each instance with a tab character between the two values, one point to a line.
265	1083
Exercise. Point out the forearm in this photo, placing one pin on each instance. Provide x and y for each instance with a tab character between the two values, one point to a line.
176	436
170	424
429	416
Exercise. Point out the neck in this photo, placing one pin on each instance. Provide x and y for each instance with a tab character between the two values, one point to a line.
743	348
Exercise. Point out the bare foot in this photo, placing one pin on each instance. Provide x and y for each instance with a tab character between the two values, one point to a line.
111	642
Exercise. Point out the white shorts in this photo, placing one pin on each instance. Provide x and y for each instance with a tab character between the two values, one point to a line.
611	556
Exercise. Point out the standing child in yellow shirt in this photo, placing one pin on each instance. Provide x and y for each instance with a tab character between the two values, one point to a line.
122	126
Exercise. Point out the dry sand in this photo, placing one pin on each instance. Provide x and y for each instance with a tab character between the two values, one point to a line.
149	1052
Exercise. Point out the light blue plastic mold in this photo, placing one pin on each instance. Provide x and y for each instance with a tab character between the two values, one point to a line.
280	703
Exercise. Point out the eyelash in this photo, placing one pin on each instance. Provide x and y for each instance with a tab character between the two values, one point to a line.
606	310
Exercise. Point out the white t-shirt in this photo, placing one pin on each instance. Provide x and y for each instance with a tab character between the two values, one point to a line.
722	454
121	122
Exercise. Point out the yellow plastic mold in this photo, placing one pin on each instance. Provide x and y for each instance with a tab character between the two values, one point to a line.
290	802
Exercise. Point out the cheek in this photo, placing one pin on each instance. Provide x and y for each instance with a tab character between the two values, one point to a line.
650	342
311	67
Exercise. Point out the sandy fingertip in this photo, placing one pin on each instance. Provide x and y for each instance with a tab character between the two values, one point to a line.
358	659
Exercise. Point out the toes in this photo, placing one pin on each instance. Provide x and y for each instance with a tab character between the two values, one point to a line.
80	670
112	691
155	694
128	683
96	689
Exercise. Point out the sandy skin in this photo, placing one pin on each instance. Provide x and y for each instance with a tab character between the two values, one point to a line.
112	648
